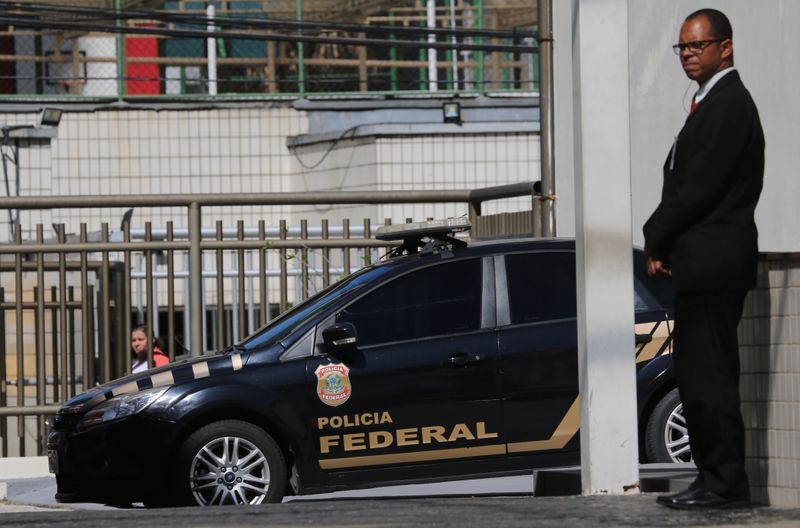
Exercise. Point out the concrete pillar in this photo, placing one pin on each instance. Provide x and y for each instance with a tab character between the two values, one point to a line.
609	442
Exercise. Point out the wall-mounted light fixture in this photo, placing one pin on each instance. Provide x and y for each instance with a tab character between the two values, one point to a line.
12	136
50	117
451	113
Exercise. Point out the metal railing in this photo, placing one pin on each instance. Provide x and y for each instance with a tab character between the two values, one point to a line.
67	305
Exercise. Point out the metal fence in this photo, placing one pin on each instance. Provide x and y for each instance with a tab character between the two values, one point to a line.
67	305
182	48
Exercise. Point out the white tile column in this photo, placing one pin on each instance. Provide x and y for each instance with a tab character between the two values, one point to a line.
609	444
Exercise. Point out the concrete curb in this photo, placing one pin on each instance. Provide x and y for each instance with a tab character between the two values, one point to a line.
16	468
653	478
13	468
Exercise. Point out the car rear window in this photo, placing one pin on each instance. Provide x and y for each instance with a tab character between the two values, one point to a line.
541	286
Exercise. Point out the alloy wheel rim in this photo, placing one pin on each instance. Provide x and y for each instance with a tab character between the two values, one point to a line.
229	470
676	436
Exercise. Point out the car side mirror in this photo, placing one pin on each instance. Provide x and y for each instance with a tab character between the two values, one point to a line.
340	337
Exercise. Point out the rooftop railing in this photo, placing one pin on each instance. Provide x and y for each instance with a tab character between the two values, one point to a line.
291	48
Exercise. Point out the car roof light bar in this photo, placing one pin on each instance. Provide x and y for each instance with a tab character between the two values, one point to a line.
441	235
418	230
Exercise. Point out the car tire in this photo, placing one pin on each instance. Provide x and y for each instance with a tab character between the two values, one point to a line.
229	462
666	435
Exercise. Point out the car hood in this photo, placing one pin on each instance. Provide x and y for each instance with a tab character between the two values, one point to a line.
173	374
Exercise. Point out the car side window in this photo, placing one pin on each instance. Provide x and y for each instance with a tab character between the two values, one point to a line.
302	348
643	300
659	287
541	286
436	300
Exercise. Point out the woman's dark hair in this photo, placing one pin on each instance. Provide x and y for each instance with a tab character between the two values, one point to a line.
156	341
720	25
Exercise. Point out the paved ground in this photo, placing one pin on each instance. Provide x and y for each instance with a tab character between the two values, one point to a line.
509	504
512	512
40	492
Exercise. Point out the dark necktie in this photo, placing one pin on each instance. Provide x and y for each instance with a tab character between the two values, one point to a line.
693	107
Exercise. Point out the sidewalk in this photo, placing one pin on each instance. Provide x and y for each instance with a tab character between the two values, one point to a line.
507	512
27	481
26	485
503	501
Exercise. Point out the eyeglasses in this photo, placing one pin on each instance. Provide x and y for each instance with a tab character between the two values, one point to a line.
695	47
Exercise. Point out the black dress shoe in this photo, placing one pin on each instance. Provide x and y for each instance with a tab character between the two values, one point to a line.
702	499
688	492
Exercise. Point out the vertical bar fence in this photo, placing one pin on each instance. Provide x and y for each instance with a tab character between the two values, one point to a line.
75	337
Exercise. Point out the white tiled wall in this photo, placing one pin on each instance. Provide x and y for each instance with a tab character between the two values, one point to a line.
156	152
455	162
348	165
769	337
416	163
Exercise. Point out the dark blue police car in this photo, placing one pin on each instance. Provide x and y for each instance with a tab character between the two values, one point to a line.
445	360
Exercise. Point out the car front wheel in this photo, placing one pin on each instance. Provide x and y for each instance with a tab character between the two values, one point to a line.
666	436
230	462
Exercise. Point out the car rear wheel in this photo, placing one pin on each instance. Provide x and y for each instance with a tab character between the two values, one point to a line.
666	436
230	462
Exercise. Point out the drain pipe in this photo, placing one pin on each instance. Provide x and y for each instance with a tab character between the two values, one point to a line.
455	51
212	49
546	125
433	73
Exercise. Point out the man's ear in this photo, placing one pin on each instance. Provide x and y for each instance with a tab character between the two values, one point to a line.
726	47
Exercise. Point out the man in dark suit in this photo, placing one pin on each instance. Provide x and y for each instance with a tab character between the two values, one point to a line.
704	236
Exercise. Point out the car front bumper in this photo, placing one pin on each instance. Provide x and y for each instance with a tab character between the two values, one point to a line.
118	462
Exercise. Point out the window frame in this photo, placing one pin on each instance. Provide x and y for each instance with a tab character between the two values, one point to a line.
488	306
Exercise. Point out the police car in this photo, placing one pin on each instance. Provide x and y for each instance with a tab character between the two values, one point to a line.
445	360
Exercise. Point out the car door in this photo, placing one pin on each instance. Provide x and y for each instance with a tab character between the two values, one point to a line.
538	363
653	325
654	305
417	396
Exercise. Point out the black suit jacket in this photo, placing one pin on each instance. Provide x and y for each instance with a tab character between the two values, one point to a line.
704	228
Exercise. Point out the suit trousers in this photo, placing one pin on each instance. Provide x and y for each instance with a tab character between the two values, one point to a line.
706	361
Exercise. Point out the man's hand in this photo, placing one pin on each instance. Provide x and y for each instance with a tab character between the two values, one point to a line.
656	267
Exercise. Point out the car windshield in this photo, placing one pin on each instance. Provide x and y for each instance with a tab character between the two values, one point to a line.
278	329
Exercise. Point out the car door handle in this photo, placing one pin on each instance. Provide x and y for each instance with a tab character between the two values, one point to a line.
642	339
460	360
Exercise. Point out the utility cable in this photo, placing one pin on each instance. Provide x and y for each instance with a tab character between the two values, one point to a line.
12	220
25	22
351	131
228	21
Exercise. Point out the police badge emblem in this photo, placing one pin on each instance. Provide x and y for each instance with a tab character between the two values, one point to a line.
333	384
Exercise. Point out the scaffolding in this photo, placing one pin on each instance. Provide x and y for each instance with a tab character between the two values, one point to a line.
175	48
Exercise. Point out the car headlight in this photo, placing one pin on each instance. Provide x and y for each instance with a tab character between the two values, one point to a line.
120	407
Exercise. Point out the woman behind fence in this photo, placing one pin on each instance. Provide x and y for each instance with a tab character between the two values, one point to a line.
139	346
